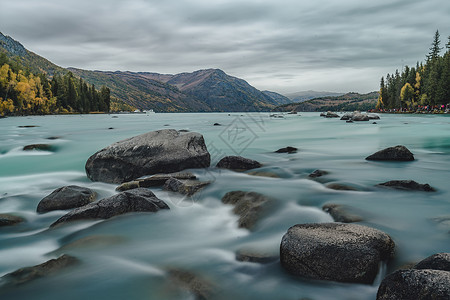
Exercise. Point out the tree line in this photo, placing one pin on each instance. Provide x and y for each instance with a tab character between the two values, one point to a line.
25	93
423	87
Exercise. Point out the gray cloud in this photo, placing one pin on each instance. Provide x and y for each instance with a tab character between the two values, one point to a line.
284	46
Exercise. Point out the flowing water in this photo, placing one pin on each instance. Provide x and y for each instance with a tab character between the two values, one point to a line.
128	257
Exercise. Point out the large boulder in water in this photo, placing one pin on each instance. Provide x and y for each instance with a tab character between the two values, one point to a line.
335	251
66	197
415	284
137	200
438	261
161	151
397	153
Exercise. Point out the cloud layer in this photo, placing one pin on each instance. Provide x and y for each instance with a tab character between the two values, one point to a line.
284	46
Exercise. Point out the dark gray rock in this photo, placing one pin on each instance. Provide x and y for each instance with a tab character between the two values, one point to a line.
48	268
329	114
161	151
185	187
154	180
287	149
438	261
409	185
318	173
374	116
137	200
415	284
397	153
335	251
249	206
217	124
66	197
342	213
237	163
9	220
41	147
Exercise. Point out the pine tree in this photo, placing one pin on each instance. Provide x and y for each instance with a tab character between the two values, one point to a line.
434	49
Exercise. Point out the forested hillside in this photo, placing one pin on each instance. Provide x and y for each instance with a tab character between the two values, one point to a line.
423	87
25	93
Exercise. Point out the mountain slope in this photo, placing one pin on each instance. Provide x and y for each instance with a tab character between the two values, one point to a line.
36	63
203	90
346	102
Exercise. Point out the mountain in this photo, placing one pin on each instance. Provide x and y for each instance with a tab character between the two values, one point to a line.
346	102
308	95
36	63
203	90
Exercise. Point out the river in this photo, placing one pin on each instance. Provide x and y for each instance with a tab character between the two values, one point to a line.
127	257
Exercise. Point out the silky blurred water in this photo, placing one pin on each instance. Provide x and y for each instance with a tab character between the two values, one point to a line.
127	257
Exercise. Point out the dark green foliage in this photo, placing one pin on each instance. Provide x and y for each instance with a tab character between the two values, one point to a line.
430	82
61	94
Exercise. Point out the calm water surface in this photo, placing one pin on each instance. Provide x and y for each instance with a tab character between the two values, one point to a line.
127	257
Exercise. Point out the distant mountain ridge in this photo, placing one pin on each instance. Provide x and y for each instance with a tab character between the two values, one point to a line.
308	95
346	102
203	90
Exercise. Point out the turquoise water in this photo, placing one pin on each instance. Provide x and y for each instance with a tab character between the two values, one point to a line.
128	256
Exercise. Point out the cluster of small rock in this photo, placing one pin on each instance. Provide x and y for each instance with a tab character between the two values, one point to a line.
339	251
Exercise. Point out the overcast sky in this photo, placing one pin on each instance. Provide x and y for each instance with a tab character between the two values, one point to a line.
283	45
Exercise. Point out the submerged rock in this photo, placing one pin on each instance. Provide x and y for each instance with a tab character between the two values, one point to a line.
409	185
329	114
340	187
9	220
397	153
137	200
249	206
335	251
201	288
50	267
438	261
154	180
247	255
66	197
287	149
185	187
341	213
237	163
161	151
41	147
318	173
263	174
415	284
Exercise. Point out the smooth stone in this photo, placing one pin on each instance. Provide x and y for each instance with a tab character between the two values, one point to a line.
335	251
287	149
41	147
329	114
318	173
28	126
415	284
438	261
185	187
67	197
136	200
154	180
50	267
9	220
238	163
249	206
397	153
409	185
341	213
217	124
161	151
